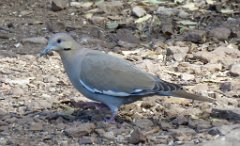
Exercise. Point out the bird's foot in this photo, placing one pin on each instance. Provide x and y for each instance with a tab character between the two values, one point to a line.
110	120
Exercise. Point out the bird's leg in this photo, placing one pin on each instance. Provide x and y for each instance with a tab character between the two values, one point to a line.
112	119
114	113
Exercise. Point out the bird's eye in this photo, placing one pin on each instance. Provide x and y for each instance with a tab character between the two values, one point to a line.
59	41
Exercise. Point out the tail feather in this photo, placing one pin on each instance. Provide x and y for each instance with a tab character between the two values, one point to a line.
184	94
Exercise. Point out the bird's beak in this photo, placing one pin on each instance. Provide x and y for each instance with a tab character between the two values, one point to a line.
46	50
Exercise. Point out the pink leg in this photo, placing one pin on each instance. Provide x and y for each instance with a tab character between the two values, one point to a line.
114	113
112	119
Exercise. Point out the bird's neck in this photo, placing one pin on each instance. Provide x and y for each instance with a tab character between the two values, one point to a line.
72	58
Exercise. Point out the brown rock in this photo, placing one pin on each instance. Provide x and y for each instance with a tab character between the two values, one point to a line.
199	124
126	38
35	40
226	86
98	20
36	127
58	5
109	135
213	67
143	123
55	26
187	77
235	70
136	137
165	125
197	36
180	120
220	33
167	27
113	7
85	140
182	131
178	53
81	130
18	91
138	11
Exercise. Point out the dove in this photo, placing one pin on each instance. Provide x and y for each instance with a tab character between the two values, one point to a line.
108	79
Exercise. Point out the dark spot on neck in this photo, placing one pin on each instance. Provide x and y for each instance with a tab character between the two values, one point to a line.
67	49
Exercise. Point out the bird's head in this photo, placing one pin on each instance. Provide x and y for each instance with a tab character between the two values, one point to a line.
59	42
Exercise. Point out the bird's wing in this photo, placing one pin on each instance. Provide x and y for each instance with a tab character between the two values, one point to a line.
102	73
105	74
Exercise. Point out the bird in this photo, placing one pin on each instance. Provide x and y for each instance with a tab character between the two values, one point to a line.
108	79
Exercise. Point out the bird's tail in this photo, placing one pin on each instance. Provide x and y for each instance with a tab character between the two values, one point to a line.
184	94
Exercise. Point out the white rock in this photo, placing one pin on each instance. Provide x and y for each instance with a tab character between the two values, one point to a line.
235	70
187	77
138	11
35	40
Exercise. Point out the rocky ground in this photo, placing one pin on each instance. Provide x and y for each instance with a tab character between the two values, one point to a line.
193	43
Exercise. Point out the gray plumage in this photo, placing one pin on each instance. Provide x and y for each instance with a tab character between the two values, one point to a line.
108	79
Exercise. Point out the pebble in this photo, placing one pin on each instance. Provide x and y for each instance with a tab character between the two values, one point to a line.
136	137
187	77
58	5
235	70
35	40
143	123
220	33
138	11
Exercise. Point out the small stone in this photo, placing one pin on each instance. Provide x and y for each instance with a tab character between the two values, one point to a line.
81	130
3	141
225	87
199	124
98	20
35	40
167	27
81	4
178	53
187	77
214	131
180	120
235	70
112	25
220	33
18	91
85	140
136	137
213	67
183	14
165	125
126	44
138	11
113	7
120	139
58	5
181	131
109	135
143	123
197	36
126	38
167	11
36	127
55	26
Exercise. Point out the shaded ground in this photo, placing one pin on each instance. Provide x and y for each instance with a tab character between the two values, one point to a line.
194	44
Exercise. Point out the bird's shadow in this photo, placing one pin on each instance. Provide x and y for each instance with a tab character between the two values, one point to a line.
93	114
228	115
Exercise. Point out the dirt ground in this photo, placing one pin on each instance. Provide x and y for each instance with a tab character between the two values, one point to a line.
193	43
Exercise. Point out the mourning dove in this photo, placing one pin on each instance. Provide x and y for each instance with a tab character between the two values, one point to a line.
108	79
